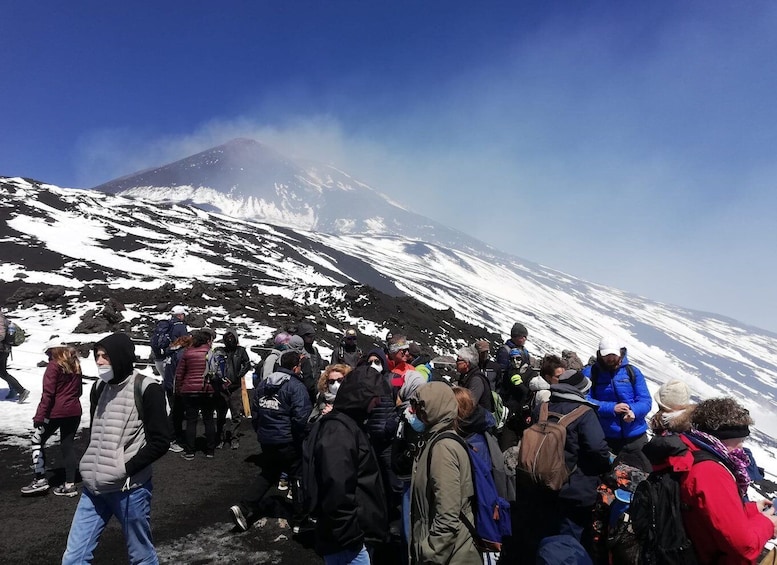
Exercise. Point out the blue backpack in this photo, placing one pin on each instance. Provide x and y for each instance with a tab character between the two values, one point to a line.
160	339
492	512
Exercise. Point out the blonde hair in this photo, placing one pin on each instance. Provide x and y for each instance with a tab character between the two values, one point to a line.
466	404
66	359
339	368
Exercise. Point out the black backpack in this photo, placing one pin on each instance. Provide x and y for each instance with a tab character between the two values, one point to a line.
656	517
160	339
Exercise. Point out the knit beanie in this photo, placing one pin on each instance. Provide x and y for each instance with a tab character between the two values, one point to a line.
673	395
519	330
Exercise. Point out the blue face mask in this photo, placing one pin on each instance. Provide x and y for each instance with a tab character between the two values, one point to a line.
415	423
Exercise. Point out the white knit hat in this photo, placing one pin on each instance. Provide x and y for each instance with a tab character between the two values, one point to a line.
673	396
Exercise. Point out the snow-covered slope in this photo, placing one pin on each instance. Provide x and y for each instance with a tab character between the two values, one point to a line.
98	245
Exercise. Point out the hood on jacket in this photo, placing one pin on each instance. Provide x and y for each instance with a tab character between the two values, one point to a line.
560	392
279	376
359	391
377	352
233	333
480	421
121	352
413	380
439	405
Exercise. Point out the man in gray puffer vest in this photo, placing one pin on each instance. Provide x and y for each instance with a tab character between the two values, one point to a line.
127	436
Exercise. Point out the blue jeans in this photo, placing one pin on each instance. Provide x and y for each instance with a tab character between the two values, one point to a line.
348	557
133	510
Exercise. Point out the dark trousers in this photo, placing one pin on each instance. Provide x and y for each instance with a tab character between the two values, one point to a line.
631	444
67	432
13	384
193	404
233	403
176	414
276	459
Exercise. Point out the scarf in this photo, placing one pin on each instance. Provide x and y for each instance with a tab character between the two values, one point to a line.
736	460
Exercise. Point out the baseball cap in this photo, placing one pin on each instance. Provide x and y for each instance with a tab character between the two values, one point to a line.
609	346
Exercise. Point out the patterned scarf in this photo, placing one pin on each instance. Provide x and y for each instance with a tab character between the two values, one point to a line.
736	460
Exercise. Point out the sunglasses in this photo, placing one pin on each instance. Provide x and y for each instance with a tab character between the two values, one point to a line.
333	381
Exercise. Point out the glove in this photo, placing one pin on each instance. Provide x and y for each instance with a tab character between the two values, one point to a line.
37	423
126	486
516	379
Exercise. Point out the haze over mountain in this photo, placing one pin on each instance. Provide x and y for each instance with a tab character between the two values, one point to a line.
247	179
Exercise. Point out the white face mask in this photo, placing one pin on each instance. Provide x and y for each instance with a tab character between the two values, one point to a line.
105	372
377	365
333	388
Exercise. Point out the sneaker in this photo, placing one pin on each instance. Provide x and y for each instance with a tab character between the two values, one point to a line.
239	518
234	444
187	456
283	484
62	490
175	447
35	487
23	396
210	455
220	445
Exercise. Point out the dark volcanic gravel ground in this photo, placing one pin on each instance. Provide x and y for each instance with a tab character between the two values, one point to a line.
190	518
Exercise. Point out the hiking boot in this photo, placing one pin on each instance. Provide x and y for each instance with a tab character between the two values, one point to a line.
175	447
239	518
63	490
234	444
305	526
23	396
220	445
37	486
187	456
210	455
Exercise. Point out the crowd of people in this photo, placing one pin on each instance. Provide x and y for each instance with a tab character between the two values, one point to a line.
378	448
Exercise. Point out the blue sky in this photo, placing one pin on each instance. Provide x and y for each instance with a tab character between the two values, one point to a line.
630	144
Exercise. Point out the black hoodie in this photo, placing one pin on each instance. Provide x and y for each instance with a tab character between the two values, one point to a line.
351	503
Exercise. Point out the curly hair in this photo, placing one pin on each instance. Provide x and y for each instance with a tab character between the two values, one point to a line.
720	413
549	365
339	367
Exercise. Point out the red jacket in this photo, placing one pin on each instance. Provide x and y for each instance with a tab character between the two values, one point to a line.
190	372
724	529
61	397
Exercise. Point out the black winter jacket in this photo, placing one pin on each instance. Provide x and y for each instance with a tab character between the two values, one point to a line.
351	505
280	409
585	450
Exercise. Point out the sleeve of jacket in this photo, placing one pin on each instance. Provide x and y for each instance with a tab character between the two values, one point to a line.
49	390
447	472
300	410
503	357
643	402
245	364
337	461
605	406
591	441
740	527
180	371
156	427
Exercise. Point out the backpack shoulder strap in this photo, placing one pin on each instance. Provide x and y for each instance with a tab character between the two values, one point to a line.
631	373
568	419
140	386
